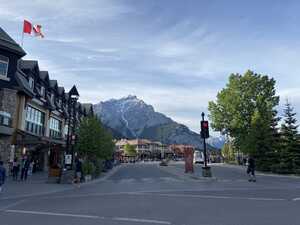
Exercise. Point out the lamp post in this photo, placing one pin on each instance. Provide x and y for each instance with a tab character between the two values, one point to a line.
73	97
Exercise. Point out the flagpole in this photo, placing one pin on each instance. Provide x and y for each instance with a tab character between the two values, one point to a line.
22	41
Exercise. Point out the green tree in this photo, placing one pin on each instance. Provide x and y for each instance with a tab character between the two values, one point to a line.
130	150
228	153
290	152
244	110
94	142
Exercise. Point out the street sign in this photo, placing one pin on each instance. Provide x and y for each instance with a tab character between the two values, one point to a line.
68	159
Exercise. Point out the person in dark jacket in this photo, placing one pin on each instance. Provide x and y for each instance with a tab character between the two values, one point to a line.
25	168
78	171
16	168
251	169
2	175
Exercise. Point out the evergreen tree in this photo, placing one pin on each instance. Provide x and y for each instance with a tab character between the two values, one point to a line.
290	151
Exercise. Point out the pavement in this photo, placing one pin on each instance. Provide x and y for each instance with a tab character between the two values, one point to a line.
145	193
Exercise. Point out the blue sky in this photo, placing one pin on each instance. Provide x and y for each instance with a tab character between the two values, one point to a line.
173	54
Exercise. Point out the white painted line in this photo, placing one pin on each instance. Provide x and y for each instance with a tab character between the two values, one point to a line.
12	205
141	220
296	199
53	214
212	197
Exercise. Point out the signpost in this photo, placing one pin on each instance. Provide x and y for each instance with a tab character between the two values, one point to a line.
206	170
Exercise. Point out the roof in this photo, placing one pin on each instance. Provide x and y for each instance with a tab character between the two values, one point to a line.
7	43
53	83
23	84
44	75
61	90
28	64
73	91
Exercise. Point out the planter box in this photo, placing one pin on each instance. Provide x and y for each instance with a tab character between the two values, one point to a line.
54	172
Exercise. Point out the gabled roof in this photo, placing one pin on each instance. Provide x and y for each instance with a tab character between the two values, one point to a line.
28	64
44	75
73	91
8	44
61	90
53	84
23	84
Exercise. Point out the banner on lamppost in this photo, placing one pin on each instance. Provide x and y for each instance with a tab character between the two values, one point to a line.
68	159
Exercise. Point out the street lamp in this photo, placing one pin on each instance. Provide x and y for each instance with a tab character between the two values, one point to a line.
73	97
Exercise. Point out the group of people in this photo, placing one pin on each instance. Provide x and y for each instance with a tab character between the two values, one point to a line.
23	165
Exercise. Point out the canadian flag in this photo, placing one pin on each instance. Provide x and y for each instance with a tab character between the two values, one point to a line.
29	29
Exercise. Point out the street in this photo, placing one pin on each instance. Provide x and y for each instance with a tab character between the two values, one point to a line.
144	193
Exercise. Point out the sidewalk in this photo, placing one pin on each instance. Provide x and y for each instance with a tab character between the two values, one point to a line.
37	185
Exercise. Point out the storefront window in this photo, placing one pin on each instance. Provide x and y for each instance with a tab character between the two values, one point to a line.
35	121
55	128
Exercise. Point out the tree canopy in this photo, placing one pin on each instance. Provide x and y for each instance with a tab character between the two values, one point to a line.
245	111
94	142
130	150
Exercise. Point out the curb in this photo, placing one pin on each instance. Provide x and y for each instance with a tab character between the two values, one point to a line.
258	172
71	187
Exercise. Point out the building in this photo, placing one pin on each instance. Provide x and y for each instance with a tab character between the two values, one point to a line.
146	149
37	116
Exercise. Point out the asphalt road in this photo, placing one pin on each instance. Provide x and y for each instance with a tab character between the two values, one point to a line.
144	194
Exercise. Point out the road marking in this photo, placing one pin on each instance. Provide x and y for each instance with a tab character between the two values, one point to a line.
12	205
296	199
53	214
211	197
89	216
141	220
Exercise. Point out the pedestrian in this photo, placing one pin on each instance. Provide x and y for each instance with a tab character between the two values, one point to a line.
78	171
251	169
25	167
16	169
2	175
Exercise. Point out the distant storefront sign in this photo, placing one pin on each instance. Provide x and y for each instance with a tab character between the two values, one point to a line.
68	159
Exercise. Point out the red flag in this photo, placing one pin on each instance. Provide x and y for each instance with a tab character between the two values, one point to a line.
27	27
37	31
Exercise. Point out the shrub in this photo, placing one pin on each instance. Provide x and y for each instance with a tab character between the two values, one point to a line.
88	168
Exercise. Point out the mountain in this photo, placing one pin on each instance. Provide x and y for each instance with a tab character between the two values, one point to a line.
133	118
217	142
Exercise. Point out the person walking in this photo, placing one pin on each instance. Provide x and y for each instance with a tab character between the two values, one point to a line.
78	171
16	168
2	175
251	169
25	167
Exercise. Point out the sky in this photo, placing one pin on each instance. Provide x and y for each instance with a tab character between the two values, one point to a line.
175	55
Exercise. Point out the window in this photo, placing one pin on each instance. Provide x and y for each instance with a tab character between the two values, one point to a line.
31	82
35	120
5	119
43	91
55	128
3	66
